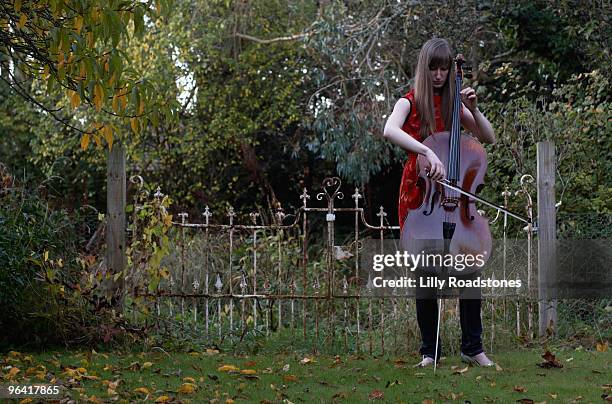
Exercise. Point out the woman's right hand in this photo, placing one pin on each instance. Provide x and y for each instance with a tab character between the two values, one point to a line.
435	168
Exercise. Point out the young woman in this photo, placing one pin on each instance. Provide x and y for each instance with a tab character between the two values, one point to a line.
424	110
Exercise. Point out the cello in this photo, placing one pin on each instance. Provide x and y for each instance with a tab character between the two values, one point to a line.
447	221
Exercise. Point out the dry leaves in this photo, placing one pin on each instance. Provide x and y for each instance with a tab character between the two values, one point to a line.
376	395
550	361
228	368
187	388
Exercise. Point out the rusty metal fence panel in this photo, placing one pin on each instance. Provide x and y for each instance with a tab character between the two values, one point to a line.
228	279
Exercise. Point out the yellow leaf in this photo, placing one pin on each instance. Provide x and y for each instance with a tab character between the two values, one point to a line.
134	125
108	135
602	347
162	399
98	140
116	103
188	379
229	401
23	19
17	6
82	370
98	96
78	24
75	99
46	255
228	368
187	388
210	351
141	107
142	390
84	144
147	365
248	371
25	401
12	373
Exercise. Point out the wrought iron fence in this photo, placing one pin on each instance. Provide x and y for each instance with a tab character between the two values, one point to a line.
229	279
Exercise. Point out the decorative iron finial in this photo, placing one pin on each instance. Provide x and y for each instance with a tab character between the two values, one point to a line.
207	214
183	216
158	193
304	197
218	283
356	196
231	214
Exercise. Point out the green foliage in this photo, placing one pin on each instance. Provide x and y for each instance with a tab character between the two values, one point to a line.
38	248
76	49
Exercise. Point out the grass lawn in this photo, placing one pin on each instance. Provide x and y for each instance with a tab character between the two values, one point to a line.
200	377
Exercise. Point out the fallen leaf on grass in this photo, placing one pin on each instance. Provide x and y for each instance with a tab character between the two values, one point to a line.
552	395
461	371
228	368
427	401
290	378
549	361
248	372
525	401
307	360
520	389
376	395
210	351
400	363
12	372
602	346
250	364
188	379
162	399
147	365
286	368
498	368
187	388
142	390
251	377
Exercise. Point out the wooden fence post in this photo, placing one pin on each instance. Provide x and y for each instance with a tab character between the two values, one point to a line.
115	206
547	302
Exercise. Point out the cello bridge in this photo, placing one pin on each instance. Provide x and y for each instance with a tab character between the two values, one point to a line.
450	204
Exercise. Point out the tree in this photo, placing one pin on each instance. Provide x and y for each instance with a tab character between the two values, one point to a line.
77	48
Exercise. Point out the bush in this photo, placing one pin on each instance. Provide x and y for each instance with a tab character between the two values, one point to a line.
38	248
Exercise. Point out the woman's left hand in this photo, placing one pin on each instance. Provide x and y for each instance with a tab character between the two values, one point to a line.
468	96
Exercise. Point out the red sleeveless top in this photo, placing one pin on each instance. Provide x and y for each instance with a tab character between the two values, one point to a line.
409	193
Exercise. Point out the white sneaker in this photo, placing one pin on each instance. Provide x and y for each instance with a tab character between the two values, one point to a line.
478	360
425	362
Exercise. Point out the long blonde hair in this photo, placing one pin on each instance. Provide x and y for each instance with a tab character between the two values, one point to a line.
435	53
